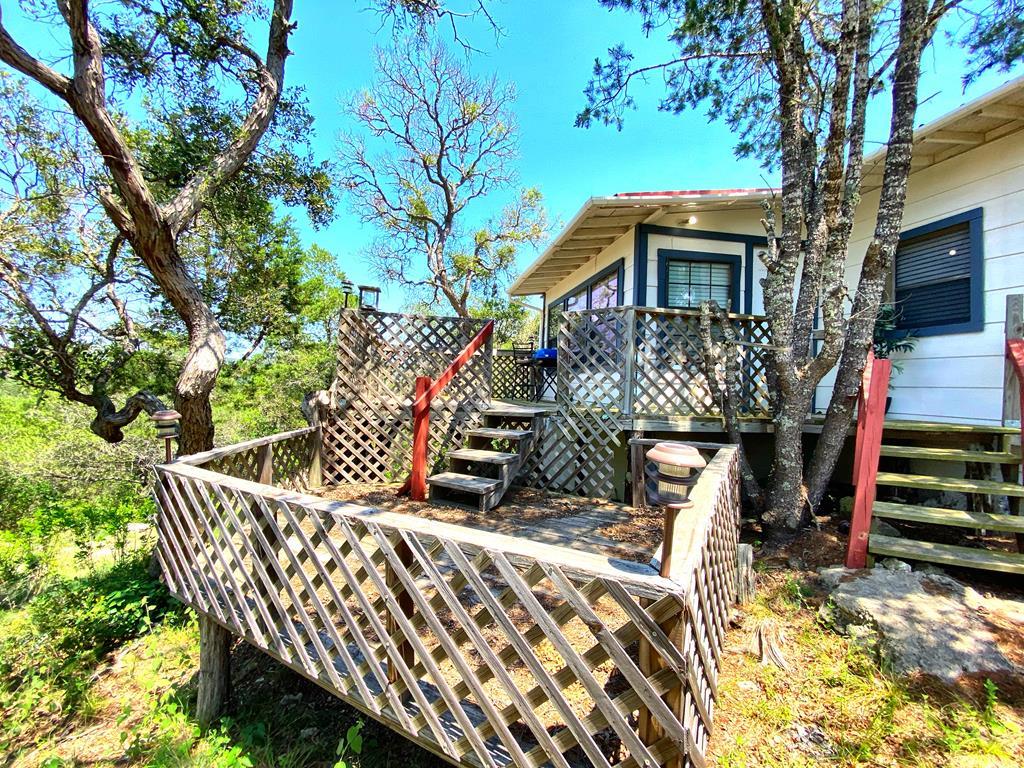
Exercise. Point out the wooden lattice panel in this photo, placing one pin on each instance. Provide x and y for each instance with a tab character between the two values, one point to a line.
368	429
286	460
511	380
668	368
488	650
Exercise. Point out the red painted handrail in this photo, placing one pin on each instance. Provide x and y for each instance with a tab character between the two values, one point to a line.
870	424
426	390
1015	352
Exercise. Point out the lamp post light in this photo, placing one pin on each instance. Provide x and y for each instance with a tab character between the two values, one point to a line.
167	428
347	289
369	297
679	467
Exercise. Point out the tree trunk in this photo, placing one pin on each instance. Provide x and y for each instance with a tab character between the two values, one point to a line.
787	494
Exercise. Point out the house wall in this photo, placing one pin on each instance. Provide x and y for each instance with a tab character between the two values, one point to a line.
958	376
742	223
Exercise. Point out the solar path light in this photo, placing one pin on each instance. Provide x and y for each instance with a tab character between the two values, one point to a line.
679	467
167	423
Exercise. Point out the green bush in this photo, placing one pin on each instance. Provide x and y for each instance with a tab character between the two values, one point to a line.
75	622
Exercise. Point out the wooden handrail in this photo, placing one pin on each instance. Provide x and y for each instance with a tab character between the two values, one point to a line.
870	424
426	390
423	400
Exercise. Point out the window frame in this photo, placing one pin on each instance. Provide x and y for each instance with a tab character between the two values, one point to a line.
618	268
668	255
975	235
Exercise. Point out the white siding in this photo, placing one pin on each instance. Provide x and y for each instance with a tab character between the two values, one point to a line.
959	377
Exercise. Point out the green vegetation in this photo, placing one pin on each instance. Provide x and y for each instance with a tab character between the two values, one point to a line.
834	706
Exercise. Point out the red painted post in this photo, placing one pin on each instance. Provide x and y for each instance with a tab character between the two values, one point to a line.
870	424
420	438
1015	352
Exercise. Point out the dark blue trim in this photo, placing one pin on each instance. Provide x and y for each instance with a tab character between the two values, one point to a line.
665	255
975	232
640	265
640	256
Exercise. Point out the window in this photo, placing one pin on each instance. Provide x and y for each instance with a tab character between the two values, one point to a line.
602	291
687	278
937	279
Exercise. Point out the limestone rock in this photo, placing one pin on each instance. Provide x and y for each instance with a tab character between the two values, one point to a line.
892	564
915	621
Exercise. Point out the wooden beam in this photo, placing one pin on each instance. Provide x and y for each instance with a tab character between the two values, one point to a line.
955	137
1003	112
599	231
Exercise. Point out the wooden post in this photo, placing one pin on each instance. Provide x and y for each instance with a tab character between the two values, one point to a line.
638	470
405	602
214	671
629	352
1013	386
1013	394
265	464
315	477
870	425
420	439
745	574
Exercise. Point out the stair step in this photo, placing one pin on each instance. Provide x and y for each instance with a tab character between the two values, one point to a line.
465	483
950	454
900	425
946	554
514	411
483	456
959	485
495	433
955	517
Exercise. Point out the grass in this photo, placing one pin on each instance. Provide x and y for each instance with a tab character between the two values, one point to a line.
835	707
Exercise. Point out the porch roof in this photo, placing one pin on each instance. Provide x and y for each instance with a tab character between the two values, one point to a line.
602	220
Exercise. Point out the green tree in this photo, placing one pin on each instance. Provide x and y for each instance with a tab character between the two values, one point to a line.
794	80
447	142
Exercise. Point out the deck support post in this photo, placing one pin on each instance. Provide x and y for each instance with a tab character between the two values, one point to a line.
214	671
870	425
405	603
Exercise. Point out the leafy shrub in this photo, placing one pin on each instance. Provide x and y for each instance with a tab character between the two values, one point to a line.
75	622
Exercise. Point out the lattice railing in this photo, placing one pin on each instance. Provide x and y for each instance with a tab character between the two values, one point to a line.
511	379
484	648
637	362
287	459
367	430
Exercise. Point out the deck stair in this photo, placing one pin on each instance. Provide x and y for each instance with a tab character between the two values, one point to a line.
944	472
483	469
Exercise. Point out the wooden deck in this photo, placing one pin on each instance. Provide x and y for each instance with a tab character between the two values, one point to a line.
591	525
538	634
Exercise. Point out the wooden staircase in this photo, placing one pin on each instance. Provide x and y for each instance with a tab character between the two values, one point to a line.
977	445
481	471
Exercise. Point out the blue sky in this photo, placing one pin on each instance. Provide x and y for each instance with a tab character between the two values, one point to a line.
547	51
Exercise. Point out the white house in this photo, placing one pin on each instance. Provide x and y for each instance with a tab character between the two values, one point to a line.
961	254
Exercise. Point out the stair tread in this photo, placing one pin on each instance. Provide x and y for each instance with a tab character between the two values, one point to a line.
514	411
497	433
946	554
950	454
902	425
467	483
957	484
483	456
954	517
